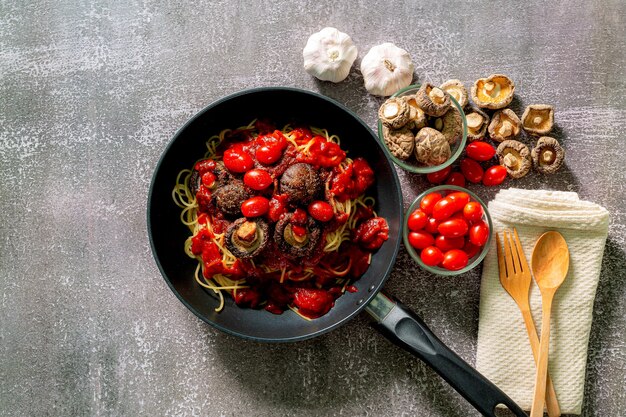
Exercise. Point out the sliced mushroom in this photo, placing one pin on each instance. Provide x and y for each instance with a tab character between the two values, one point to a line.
433	100
515	156
229	197
477	122
548	155
246	238
394	112
493	92
457	90
504	125
450	125
538	119
292	244
417	117
399	142
301	183
431	147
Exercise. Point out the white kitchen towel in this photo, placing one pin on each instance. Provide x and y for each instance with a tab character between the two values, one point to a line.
503	353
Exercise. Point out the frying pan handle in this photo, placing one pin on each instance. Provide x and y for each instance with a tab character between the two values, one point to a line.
407	330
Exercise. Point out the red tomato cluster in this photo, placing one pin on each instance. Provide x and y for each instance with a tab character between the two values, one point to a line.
471	169
447	231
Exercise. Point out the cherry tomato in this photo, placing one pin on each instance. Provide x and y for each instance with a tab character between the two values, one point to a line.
448	243
479	234
237	160
473	211
454	260
429	201
494	175
431	256
208	178
321	211
444	208
420	240
269	154
472	171
480	151
439	176
257	179
471	249
453	228
456	178
255	206
417	220
459	199
432	225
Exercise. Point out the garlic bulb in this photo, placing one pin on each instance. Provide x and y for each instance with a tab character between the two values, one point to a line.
386	69
329	55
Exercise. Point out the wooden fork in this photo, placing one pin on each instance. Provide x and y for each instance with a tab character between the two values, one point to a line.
515	278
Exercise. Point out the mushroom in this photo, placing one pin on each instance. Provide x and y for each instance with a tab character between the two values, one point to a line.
477	122
493	92
417	117
504	125
457	90
394	112
293	244
515	156
547	155
538	119
246	238
301	183
431	147
229	197
450	125
400	143
433	100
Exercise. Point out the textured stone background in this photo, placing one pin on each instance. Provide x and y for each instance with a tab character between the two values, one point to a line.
90	94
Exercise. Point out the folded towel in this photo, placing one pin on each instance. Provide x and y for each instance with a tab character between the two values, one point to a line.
503	353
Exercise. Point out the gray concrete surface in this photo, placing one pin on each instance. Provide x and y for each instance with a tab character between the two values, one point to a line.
90	94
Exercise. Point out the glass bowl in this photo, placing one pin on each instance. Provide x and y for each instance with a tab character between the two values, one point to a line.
473	261
411	164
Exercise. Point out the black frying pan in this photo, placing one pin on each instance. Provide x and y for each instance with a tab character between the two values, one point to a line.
396	322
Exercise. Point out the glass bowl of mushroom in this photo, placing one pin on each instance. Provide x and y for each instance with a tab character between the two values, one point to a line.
423	128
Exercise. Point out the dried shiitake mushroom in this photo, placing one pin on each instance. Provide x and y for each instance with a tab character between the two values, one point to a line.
400	142
538	119
457	90
477	122
417	117
515	156
433	100
504	125
493	92
431	147
394	112
450	125
547	155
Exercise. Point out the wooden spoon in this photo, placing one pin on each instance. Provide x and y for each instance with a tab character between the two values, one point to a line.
550	263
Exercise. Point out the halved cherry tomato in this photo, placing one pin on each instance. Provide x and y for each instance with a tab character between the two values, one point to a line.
257	179
473	211
479	234
268	154
237	160
455	259
456	178
444	208
417	220
480	151
321	211
438	177
431	256
255	206
459	199
421	239
448	243
453	228
472	171
208	178
432	225
429	201
494	175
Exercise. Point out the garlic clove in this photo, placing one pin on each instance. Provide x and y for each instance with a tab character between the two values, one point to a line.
329	55
386	69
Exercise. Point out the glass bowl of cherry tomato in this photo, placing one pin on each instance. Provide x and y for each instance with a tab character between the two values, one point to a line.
447	230
411	163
